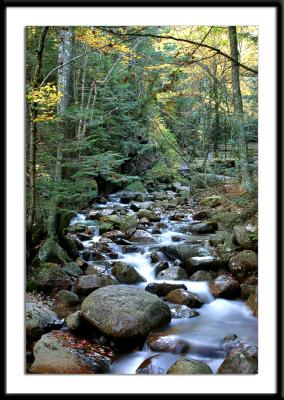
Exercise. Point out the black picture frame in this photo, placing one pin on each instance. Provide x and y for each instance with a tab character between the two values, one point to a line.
278	5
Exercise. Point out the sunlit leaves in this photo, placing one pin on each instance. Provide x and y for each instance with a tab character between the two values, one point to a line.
46	98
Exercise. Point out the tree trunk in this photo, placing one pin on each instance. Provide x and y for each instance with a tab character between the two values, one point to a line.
64	73
238	110
33	130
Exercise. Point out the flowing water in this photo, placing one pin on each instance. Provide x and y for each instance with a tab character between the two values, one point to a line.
205	332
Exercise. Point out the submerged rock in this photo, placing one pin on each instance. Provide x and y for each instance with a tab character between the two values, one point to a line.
60	352
125	312
189	367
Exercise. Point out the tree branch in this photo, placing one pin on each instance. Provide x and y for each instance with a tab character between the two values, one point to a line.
168	37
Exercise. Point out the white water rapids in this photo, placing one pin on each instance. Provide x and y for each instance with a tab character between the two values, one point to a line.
205	332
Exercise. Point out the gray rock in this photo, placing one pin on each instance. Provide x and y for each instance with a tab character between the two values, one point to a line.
40	319
125	312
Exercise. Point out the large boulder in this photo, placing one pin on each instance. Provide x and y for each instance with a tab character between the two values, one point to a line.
125	312
141	236
225	286
40	319
189	367
50	276
60	352
244	262
242	360
88	283
50	251
181	296
174	273
162	289
125	273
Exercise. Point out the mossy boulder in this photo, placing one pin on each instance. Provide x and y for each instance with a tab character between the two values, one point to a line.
50	251
50	276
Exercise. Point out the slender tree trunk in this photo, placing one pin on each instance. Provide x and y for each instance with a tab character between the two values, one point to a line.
238	109
64	55
33	130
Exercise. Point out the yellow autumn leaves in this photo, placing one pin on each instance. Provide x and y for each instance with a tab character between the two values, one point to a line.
46	99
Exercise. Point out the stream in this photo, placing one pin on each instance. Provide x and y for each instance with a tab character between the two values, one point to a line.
205	332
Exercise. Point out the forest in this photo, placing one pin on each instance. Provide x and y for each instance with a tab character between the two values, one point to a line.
141	199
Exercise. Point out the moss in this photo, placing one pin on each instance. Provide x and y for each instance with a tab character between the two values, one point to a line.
31	285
